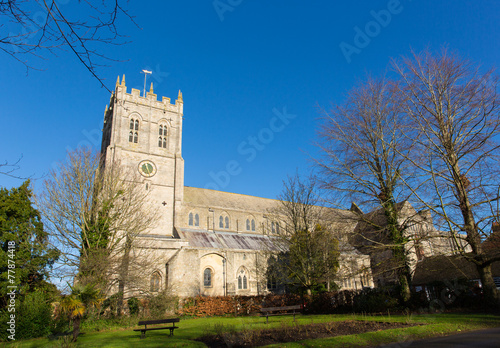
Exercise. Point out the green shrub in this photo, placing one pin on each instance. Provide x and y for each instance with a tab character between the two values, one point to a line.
133	305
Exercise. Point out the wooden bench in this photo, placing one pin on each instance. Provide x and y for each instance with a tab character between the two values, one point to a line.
290	310
155	322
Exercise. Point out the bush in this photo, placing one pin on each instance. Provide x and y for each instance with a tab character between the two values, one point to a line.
133	305
376	300
33	317
158	306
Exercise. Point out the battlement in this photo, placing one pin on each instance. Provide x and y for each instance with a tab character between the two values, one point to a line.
150	100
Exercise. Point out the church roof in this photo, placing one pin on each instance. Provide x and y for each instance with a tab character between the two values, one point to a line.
225	240
200	197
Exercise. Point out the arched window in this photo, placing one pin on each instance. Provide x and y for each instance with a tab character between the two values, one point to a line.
245	282
221	222
162	139
136	137
277	228
242	279
248	225
240	284
253	225
155	282
227	222
207	277
197	220
190	219
131	137
132	124
273	230
136	125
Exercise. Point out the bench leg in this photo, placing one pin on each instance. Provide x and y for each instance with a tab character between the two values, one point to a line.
267	319
171	331
143	334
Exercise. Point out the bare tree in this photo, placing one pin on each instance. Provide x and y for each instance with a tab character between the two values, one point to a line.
455	123
305	253
39	27
95	215
364	147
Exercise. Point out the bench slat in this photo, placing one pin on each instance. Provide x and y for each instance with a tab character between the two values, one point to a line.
162	321
285	308
157	328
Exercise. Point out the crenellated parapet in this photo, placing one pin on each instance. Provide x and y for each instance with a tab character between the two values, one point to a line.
149	100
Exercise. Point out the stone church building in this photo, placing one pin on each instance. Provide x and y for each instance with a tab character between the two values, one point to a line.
206	242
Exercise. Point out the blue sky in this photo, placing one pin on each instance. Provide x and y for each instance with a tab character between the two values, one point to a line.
239	64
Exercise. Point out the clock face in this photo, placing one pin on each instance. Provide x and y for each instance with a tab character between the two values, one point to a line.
147	168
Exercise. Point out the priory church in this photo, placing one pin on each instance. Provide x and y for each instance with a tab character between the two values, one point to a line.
209	242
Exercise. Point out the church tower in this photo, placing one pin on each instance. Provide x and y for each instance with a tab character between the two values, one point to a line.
146	134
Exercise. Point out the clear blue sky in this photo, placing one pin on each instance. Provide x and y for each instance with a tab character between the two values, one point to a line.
234	68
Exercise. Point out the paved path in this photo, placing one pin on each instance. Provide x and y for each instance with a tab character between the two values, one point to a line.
489	338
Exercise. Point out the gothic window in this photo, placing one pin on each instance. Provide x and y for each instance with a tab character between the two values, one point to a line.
227	222
190	219
248	225
132	124
136	137
136	125
197	220
207	277
155	282
277	228
162	139
131	137
221	222
253	225
242	279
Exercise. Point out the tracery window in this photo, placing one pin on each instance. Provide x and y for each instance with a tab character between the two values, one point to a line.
134	136
162	139
242	279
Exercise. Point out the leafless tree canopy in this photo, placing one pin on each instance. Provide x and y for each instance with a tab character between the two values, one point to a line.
36	28
455	122
94	216
307	250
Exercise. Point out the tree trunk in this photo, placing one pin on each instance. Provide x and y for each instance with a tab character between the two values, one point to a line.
124	269
76	328
489	288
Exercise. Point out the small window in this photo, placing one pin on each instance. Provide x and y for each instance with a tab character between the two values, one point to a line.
273	230
253	225
245	282
155	282
240	283
190	219
131	137
132	124
197	220
136	125
271	283
207	278
160	141
164	143
248	225
227	222
221	222
136	138
277	228
160	130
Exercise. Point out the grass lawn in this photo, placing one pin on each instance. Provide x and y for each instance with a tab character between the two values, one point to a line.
190	329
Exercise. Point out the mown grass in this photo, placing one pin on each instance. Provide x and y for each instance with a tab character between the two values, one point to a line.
190	329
